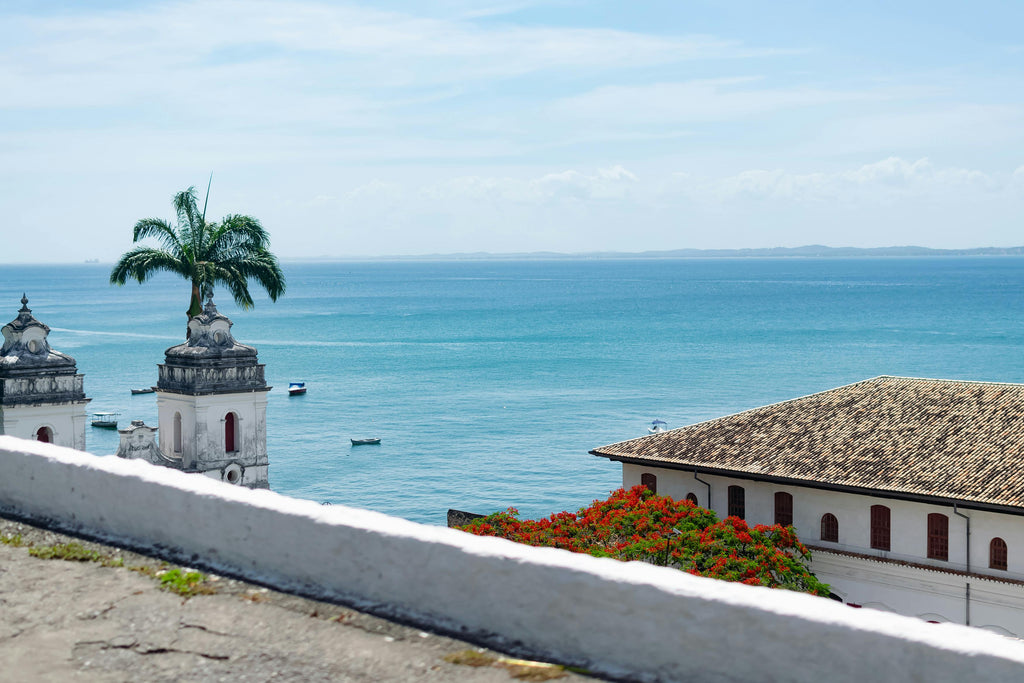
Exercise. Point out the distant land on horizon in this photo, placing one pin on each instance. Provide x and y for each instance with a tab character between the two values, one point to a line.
808	251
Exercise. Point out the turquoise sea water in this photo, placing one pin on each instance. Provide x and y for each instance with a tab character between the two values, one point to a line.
490	381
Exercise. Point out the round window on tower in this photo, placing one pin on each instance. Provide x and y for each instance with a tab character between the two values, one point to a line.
33	346
233	473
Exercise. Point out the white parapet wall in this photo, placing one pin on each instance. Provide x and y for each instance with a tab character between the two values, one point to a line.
628	620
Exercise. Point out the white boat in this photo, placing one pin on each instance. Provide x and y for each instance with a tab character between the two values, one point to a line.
105	420
296	388
657	426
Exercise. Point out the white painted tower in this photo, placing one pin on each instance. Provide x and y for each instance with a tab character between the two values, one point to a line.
212	404
42	396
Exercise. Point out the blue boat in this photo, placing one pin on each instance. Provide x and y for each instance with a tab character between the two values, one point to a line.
296	388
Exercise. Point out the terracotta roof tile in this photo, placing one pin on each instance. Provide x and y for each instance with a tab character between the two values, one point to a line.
943	438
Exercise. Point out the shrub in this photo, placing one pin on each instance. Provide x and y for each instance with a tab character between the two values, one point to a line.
635	524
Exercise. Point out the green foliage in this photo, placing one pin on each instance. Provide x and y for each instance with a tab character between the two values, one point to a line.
14	541
74	552
231	252
638	525
185	583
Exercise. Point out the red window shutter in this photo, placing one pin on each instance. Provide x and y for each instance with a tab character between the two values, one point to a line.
880	518
783	509
737	502
938	536
829	528
997	554
229	433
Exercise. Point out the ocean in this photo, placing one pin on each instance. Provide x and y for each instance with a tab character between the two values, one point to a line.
489	381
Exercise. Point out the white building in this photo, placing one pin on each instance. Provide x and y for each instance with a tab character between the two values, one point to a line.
212	405
42	396
910	492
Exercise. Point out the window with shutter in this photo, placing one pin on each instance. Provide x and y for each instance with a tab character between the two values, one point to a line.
880	516
737	502
829	528
938	536
783	509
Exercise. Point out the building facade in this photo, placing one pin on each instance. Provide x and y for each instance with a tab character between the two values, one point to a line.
212	405
42	396
909	492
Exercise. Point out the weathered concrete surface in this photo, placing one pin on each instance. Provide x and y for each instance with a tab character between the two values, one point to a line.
82	621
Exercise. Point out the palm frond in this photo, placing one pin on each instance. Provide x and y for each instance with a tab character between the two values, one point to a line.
236	236
141	263
160	229
262	266
185	206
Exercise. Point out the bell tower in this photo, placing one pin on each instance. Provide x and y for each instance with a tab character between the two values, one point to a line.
42	396
212	404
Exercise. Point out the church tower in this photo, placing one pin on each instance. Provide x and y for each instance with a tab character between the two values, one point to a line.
212	404
42	396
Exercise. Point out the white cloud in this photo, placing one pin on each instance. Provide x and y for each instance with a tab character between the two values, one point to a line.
187	53
612	183
882	182
693	101
949	125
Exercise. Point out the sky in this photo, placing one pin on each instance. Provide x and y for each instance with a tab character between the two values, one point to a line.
407	127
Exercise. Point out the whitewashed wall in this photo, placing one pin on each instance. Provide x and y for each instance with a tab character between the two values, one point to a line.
202	432
628	620
65	420
932	595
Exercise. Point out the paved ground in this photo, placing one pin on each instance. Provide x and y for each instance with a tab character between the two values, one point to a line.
111	617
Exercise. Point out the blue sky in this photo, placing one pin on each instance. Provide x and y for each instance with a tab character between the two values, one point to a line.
454	126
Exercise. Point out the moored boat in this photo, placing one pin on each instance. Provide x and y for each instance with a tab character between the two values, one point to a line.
657	426
105	420
366	442
296	388
136	392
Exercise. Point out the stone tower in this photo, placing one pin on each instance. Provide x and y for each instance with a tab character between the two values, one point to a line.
42	396
212	404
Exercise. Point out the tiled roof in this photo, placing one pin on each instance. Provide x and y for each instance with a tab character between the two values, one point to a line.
935	438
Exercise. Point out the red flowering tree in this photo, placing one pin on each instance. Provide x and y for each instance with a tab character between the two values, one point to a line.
638	525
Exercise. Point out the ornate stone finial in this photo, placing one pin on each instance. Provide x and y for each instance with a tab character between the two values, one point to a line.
24	304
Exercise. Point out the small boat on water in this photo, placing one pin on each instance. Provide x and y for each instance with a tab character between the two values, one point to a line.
296	388
105	420
366	442
657	426
136	392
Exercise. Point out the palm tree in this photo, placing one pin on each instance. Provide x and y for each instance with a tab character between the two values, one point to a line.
230	252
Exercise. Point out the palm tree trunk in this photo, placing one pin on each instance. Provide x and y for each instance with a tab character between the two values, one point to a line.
195	307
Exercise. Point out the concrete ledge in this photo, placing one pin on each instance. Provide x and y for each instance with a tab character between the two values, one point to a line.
626	620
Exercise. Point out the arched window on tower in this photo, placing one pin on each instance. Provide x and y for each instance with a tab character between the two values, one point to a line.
230	432
44	434
829	528
997	554
938	536
177	433
737	502
783	508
